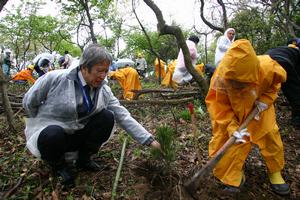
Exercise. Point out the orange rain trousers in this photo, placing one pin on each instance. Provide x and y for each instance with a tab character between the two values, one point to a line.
167	81
160	67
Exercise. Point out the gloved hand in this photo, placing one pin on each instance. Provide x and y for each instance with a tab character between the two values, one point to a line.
261	107
240	134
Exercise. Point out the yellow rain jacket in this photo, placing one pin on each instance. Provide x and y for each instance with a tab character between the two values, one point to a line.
129	80
240	79
24	75
161	67
167	81
200	68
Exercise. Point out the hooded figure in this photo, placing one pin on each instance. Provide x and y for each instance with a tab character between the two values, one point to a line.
181	75
242	81
42	63
223	44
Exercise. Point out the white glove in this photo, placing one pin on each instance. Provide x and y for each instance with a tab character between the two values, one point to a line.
261	107
240	134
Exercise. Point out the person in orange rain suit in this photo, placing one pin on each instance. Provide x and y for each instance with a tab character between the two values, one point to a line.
129	80
161	67
25	75
242	81
167	81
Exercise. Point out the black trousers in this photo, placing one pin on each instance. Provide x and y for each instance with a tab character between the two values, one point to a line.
53	141
291	88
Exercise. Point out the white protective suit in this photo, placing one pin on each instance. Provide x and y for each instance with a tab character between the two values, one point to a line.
223	44
181	75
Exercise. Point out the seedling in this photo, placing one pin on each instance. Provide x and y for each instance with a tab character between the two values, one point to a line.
165	135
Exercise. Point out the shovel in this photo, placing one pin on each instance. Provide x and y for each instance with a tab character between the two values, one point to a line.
192	184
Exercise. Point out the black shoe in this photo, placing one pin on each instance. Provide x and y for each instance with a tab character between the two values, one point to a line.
281	189
65	177
63	172
90	165
234	190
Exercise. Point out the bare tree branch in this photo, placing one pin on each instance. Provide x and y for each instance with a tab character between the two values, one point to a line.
164	29
209	24
2	4
90	20
225	21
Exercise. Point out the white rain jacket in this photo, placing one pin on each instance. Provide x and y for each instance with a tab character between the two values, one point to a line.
141	63
42	56
223	44
181	75
54	98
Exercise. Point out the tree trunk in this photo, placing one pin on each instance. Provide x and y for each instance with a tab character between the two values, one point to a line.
6	104
164	29
90	20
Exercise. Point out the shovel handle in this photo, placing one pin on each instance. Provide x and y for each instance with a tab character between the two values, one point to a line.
192	184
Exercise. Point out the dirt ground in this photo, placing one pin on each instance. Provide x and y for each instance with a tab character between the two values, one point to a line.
24	177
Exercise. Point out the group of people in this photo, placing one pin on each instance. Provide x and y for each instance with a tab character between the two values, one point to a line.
75	110
41	64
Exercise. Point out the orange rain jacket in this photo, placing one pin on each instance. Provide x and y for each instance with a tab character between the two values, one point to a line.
240	79
24	75
161	67
129	80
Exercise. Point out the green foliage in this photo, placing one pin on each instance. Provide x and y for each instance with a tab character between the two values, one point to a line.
185	114
122	135
91	12
211	52
165	45
165	135
259	28
137	152
70	197
28	34
149	84
199	108
74	50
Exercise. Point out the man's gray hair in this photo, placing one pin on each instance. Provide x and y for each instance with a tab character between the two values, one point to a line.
94	54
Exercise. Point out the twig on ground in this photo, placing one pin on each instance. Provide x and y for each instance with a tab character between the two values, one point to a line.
115	185
11	191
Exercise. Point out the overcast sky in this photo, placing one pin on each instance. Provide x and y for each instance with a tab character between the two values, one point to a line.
181	11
